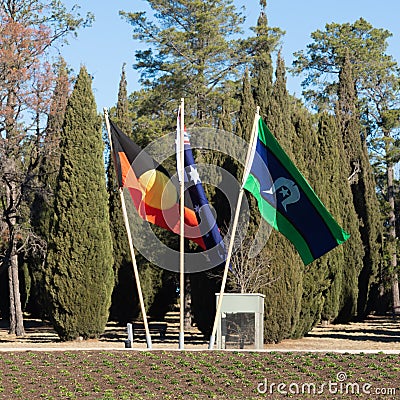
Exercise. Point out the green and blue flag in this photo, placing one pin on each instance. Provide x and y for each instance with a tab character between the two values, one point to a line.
287	201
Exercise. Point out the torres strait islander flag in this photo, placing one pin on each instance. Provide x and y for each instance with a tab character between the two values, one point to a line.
287	201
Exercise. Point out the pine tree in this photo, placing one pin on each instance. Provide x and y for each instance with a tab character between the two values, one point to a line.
362	184
194	51
79	276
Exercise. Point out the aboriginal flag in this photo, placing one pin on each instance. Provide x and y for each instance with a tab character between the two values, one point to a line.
153	193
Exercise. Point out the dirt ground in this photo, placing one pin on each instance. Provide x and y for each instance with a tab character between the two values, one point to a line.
372	335
376	333
221	375
331	362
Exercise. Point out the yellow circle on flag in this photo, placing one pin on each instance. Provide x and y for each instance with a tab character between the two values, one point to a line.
159	190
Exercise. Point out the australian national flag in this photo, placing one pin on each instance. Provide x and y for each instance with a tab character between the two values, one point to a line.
211	239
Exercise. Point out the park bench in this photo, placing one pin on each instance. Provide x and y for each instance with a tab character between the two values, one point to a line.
154	328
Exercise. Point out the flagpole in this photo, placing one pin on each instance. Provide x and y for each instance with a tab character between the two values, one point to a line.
250	152
182	227
128	232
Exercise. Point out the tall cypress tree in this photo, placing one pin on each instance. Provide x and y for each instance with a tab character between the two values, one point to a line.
79	276
125	301
263	68
267	39
279	110
228	106
42	208
345	262
243	130
247	109
283	296
362	183
122	112
315	276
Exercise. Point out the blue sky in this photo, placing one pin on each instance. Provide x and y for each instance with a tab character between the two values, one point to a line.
105	46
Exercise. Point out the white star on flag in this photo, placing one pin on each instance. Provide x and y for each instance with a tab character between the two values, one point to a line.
194	175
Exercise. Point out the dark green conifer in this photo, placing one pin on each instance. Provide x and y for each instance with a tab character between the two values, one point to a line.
344	262
283	296
42	208
122	112
247	109
362	183
315	276
79	275
244	128
279	111
225	119
267	39
125	301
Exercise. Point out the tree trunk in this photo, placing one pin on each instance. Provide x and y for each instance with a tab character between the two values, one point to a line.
392	233
395	291
16	318
17	327
12	329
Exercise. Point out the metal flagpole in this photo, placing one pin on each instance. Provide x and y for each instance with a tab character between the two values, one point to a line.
250	155
128	232
182	227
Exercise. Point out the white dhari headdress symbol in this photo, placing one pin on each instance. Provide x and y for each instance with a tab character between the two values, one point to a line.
293	196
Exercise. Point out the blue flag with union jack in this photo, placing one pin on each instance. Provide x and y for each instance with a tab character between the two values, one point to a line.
195	194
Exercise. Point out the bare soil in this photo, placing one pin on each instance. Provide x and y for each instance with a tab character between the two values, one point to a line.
375	334
332	362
